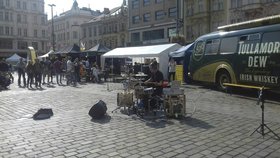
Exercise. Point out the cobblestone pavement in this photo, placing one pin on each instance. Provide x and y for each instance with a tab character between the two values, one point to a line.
221	126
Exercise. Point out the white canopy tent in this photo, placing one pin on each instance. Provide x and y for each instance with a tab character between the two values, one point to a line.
14	59
46	55
155	51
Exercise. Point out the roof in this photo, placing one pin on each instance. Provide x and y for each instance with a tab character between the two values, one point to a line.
142	51
69	49
99	48
182	51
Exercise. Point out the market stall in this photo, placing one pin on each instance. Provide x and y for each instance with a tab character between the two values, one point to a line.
158	52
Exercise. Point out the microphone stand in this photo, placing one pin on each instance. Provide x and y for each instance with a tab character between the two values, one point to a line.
262	126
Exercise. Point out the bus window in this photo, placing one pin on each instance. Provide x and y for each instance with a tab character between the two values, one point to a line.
272	38
212	47
198	50
228	45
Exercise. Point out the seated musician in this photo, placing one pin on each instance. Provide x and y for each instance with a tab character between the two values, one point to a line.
155	81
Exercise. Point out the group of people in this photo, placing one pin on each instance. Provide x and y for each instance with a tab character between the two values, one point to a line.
42	71
39	72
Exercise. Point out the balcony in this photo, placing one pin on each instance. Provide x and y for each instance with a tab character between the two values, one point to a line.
199	15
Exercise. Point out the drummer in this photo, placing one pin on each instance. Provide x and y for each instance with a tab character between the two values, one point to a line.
154	82
156	79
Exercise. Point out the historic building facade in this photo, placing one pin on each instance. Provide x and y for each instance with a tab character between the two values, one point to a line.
204	16
67	26
109	29
22	24
151	21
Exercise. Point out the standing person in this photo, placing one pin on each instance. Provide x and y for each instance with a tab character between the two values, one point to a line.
30	72
44	69
58	70
69	71
21	72
38	73
172	69
77	70
95	73
48	65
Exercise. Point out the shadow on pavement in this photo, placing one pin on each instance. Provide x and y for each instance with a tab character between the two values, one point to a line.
195	123
158	123
105	119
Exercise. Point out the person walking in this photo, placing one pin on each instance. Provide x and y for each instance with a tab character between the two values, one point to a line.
171	69
20	66
30	72
38	73
58	70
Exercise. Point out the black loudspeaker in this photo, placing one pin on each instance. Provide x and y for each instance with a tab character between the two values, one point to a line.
98	110
43	114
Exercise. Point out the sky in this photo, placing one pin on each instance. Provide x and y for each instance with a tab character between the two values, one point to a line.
64	5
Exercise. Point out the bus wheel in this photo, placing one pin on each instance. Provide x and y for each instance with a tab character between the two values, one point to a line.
223	77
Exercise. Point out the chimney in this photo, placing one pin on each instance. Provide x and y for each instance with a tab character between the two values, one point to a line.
106	11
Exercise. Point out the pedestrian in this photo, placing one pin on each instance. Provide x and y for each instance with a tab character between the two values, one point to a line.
20	66
58	70
38	73
44	69
30	73
171	69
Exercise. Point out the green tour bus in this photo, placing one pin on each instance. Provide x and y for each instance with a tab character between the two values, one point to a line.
247	53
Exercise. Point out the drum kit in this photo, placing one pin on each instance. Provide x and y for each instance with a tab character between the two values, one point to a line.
172	101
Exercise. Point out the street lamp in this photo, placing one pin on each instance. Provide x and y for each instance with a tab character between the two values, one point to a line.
53	45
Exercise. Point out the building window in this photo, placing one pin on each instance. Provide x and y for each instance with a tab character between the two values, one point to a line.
7	30
43	45
25	19
8	3
236	3
6	44
35	33
6	16
22	45
34	6
1	30
19	18
35	45
146	2
19	32
1	16
24	5
43	21
160	15
158	1
84	33
90	32
172	12
35	20
135	19
43	33
147	17
135	37
75	35
25	33
1	3
153	35
11	17
200	6
135	4
94	31
18	5
68	35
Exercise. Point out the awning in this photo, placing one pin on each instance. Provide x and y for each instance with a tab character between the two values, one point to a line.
69	49
142	51
182	51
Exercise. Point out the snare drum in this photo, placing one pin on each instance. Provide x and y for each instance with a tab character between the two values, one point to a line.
149	90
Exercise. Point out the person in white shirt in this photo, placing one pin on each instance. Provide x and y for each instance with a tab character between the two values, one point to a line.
171	69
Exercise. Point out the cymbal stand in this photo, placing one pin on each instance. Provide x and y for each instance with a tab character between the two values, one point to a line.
262	126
